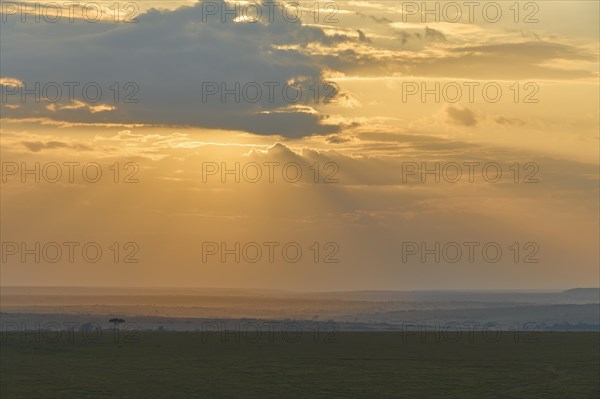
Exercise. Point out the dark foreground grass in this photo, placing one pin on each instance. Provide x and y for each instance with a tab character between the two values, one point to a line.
359	365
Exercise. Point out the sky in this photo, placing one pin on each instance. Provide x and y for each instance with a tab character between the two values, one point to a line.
314	146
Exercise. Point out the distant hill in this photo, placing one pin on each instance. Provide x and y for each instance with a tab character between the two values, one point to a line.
582	294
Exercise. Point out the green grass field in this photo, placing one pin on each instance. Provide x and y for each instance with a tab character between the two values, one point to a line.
359	365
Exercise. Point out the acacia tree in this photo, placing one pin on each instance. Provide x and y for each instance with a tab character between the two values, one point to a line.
116	321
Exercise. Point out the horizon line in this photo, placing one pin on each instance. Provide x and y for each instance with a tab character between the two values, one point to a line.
532	290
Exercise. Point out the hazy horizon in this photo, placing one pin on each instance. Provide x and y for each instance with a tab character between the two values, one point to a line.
284	290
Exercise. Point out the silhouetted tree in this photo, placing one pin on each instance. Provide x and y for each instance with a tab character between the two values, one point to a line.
116	321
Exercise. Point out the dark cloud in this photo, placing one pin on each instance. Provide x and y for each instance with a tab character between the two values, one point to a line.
461	116
338	139
503	120
362	37
434	35
379	20
405	37
37	146
525	60
535	50
171	57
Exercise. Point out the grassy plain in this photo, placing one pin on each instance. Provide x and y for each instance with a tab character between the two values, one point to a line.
342	365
